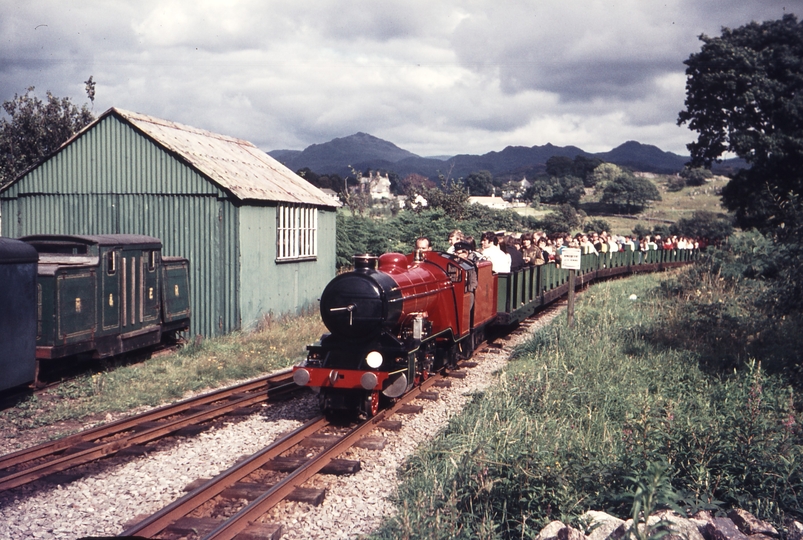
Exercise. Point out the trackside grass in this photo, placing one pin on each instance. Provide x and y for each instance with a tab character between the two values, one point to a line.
209	364
582	417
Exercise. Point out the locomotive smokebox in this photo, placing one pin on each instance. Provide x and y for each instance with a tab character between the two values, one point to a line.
359	304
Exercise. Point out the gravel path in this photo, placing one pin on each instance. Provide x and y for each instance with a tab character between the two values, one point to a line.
116	490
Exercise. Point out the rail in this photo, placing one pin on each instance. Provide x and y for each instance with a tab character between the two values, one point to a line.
24	466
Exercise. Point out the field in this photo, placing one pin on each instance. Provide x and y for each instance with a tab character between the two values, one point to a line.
673	206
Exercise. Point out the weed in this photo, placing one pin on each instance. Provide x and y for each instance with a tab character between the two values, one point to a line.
652	491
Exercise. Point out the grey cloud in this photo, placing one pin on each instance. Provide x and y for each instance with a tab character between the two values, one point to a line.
442	77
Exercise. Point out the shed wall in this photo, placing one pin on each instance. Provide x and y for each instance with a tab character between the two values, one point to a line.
114	179
285	287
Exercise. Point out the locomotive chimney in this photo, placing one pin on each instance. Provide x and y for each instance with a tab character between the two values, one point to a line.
365	261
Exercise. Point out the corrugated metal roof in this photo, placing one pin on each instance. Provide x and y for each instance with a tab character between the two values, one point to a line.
236	165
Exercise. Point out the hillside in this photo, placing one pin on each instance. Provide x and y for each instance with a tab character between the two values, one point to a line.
362	151
339	155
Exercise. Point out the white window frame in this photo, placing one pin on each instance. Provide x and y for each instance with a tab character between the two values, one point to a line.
296	232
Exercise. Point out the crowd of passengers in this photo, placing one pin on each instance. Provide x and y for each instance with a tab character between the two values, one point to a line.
512	252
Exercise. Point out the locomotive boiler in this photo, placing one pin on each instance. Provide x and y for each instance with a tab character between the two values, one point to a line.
391	321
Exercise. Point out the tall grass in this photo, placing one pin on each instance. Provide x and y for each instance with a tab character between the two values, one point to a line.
583	416
200	365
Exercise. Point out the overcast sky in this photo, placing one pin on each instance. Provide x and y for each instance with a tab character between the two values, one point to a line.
435	77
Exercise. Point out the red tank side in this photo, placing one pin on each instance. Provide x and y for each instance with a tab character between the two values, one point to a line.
425	287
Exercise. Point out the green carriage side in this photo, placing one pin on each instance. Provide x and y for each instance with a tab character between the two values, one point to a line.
104	295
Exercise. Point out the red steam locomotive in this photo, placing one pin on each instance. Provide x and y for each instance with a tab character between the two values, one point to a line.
392	321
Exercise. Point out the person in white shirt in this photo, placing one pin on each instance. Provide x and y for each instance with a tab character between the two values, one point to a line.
490	249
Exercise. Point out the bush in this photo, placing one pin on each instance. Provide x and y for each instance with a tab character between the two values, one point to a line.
675	183
696	176
596	225
704	224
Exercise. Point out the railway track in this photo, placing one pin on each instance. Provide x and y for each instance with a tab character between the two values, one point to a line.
25	466
247	480
241	489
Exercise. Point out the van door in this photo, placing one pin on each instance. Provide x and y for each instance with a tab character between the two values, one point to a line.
111	290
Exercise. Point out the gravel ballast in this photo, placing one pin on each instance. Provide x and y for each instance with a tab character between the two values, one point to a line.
114	491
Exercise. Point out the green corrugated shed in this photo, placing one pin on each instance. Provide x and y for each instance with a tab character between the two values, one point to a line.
211	198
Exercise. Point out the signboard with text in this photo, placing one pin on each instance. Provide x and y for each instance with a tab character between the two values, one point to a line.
570	259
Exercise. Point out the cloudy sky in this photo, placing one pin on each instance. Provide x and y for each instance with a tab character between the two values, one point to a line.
434	77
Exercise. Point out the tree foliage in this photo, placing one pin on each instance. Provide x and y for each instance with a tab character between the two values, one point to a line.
703	224
630	192
556	190
566	218
604	174
414	183
580	167
452	199
559	166
744	94
596	225
479	184
35	129
696	176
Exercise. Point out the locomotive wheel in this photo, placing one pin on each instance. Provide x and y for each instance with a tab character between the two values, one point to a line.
371	404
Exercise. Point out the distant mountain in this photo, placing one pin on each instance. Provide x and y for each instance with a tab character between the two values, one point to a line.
637	156
510	160
284	154
338	155
362	151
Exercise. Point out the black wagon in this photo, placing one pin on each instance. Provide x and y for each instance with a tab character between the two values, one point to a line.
18	263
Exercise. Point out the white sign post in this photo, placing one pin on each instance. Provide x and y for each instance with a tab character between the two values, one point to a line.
570	260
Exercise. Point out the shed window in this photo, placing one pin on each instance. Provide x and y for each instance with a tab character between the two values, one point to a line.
296	232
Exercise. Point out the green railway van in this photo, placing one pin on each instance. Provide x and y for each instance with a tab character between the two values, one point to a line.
107	294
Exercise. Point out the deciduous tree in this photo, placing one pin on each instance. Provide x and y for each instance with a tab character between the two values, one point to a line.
744	94
630	192
696	176
603	174
479	184
704	224
452	198
35	129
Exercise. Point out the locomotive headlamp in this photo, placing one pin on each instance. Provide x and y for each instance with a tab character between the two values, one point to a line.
374	359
